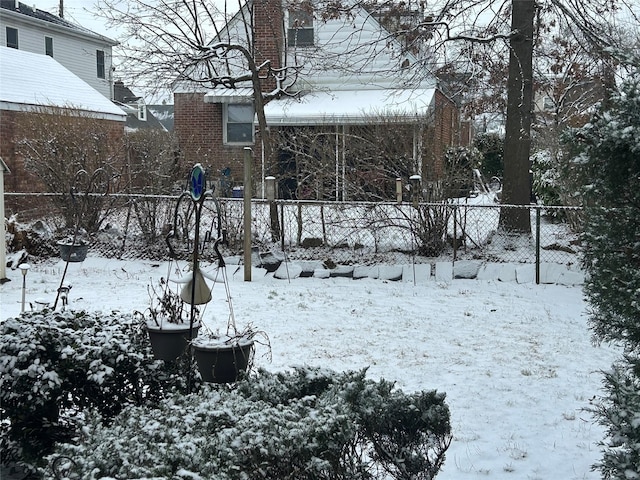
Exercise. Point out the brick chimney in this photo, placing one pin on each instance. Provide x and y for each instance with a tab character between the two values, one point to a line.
268	35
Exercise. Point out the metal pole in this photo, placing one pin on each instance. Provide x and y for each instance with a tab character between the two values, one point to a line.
537	245
24	268
247	213
399	190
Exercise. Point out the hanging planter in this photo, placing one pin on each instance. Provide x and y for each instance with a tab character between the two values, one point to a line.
224	358
73	252
171	340
220	361
168	322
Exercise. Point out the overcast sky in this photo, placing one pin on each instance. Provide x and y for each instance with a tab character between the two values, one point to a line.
78	11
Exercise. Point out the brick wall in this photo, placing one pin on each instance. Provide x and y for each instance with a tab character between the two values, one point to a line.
268	36
442	133
20	179
199	129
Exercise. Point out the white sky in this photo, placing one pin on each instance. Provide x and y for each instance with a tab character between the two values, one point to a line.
78	11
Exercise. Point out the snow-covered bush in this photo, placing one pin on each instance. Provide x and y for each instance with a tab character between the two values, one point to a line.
53	365
303	424
611	157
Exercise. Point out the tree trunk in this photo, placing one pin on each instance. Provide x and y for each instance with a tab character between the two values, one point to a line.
516	186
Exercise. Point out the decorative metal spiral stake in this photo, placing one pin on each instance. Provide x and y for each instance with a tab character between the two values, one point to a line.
196	291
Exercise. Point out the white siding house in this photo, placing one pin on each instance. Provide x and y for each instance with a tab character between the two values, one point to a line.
81	51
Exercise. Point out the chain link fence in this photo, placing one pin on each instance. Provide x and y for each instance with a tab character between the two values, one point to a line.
345	233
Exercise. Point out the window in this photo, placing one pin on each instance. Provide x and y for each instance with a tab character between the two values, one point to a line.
100	63
12	37
48	46
239	123
300	32
142	111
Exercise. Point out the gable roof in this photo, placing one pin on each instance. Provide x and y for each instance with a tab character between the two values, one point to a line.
125	98
350	51
41	17
30	80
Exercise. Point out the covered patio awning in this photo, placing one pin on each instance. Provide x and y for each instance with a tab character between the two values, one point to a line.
229	95
343	107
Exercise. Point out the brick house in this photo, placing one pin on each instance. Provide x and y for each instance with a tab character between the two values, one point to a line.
33	83
331	83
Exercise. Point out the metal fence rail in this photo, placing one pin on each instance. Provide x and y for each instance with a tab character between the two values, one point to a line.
341	232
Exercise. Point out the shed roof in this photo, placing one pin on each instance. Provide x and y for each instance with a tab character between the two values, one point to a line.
30	80
341	107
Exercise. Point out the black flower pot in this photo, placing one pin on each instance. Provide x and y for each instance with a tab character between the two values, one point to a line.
222	363
170	342
73	252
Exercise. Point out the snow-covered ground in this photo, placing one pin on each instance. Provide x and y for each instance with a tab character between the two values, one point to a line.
515	360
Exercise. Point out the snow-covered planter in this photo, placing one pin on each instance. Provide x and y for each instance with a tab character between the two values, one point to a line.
223	359
53	365
71	251
287	426
168	322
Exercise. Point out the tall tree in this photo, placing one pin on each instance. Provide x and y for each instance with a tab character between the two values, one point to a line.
516	189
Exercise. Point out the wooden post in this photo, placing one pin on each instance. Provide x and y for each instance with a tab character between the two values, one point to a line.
3	242
248	158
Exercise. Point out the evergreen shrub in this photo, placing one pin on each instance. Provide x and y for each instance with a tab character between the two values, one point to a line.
305	424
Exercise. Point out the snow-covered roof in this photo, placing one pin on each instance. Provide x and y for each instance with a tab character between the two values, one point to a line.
229	95
30	80
350	106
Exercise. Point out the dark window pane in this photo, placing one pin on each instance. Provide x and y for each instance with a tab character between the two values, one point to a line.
300	37
239	132
240	113
12	37
100	63
48	46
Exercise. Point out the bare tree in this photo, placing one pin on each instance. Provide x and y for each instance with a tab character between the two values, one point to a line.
75	155
152	167
187	41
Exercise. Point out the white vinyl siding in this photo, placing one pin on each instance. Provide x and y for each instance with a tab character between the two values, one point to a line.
74	51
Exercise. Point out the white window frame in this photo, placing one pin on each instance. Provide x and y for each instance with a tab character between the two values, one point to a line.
142	110
294	28
226	122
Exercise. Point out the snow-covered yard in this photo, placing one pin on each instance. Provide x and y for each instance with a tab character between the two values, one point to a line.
515	360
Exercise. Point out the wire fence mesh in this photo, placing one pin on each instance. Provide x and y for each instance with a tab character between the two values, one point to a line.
340	232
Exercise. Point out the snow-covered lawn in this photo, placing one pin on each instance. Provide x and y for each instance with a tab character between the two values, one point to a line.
515	360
